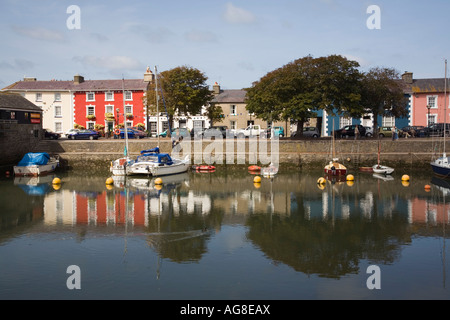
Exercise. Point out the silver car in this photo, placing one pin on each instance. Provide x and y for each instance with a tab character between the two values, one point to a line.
308	132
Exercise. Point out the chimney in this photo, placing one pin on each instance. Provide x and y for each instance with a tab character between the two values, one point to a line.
77	79
149	76
408	77
216	88
29	79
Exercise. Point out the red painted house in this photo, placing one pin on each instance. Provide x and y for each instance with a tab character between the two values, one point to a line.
109	102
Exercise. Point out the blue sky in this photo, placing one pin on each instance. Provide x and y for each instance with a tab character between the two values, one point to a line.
232	42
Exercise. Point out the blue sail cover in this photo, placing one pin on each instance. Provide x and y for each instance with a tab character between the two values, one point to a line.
34	158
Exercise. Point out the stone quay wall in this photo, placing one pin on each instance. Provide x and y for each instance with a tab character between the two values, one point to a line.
299	154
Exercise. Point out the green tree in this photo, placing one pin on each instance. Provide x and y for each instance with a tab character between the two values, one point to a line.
295	90
382	94
184	90
336	85
214	113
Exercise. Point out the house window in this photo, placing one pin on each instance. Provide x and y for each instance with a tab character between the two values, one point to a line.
90	125
388	121
90	110
109	109
39	97
58	127
233	109
129	109
90	96
58	112
431	119
57	96
128	95
109	96
344	121
233	125
432	101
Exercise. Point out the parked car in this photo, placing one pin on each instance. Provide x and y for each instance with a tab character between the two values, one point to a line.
84	134
130	131
413	131
369	132
163	134
71	131
349	131
423	132
48	134
308	132
437	130
253	130
215	131
278	131
384	132
180	132
138	134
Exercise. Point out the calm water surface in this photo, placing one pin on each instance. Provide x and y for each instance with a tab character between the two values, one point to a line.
220	236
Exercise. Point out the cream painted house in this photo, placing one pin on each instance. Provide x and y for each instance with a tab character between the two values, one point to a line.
53	97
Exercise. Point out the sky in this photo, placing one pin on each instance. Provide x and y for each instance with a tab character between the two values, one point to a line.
234	43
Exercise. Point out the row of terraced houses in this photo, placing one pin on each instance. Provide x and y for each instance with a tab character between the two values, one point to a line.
110	102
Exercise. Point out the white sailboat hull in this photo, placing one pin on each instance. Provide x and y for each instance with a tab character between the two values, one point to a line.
380	169
127	167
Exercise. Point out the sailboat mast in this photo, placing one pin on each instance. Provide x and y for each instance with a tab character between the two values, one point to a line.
445	103
157	104
124	118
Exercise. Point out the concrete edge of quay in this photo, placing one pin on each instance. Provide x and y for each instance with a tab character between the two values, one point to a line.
291	154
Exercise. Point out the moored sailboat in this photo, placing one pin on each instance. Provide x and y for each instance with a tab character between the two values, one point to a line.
441	165
379	168
334	167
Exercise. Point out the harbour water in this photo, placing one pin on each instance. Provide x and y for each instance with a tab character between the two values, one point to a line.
221	236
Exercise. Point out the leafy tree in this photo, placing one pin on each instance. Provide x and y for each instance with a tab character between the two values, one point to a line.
214	113
283	94
382	94
336	85
300	87
184	91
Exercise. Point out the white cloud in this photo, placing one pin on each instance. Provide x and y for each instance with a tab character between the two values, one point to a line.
111	62
237	15
38	33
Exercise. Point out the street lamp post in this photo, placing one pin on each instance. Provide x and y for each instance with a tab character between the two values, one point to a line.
428	107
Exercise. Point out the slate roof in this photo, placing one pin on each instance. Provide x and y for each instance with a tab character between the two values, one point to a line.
14	101
432	85
230	96
86	85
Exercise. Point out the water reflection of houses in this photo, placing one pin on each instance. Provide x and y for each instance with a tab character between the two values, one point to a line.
142	200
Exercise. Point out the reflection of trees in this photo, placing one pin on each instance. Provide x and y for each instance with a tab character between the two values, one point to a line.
181	239
184	237
325	248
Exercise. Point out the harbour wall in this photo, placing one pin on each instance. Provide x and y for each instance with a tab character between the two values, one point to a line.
298	154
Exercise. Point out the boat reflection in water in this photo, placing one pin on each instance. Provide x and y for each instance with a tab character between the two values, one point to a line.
332	231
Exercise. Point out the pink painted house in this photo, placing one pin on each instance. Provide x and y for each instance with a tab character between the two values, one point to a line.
428	103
